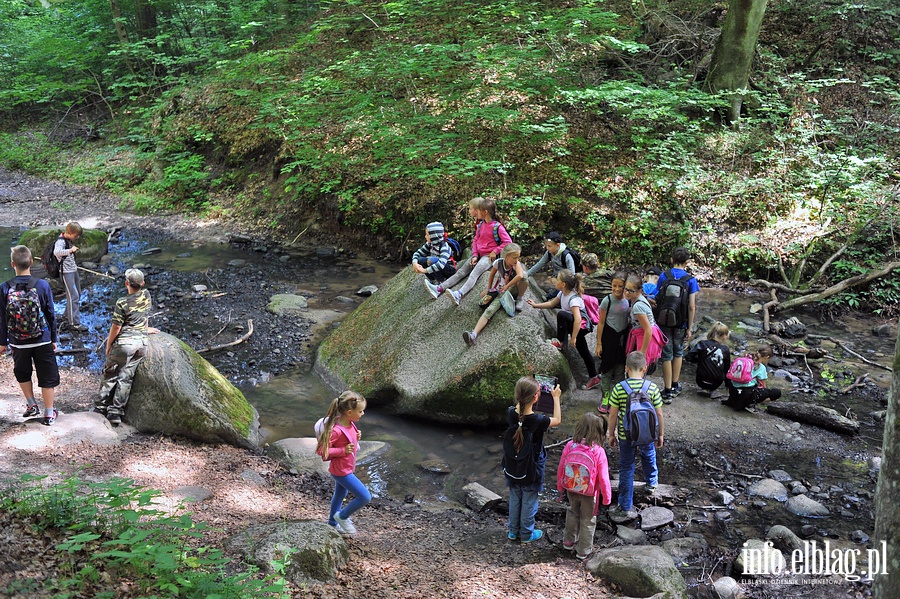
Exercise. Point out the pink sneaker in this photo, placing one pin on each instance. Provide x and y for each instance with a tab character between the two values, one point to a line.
557	344
594	382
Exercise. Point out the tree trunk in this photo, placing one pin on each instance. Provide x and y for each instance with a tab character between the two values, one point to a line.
813	414
733	55
118	21
887	508
145	19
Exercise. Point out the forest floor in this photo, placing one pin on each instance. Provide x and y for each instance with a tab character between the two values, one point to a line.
402	550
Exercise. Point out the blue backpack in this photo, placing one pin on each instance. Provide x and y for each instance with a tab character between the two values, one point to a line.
640	421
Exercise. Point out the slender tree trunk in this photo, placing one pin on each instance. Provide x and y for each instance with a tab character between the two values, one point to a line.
118	22
887	508
733	55
145	19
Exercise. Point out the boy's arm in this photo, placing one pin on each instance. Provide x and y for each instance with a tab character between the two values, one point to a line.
4	331
692	312
613	432
539	265
46	295
570	261
661	426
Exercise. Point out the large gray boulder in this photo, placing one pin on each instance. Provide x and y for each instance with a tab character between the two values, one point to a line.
177	392
403	350
640	571
298	454
92	244
310	551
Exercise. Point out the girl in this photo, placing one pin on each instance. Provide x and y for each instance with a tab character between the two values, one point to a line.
571	318
645	336
581	517
612	334
523	497
713	358
490	238
510	285
339	442
743	395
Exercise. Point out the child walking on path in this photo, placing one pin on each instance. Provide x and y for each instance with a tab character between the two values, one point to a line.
64	250
676	307
584	474
571	320
339	442
510	285
523	494
490	238
435	258
636	368
713	358
612	335
28	327
644	336
744	395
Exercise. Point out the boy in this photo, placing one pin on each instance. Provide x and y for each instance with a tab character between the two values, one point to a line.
435	258
635	367
673	352
28	327
64	251
651	279
558	257
597	281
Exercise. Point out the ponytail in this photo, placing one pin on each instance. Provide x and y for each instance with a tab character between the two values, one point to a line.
344	402
526	388
572	281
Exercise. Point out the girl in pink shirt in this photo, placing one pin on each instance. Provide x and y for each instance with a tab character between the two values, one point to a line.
339	442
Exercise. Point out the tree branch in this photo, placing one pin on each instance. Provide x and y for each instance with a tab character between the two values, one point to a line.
243	338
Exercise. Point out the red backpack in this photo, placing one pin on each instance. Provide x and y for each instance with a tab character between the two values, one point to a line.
580	471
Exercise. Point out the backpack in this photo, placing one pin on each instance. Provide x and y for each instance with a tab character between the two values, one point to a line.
710	358
576	258
640	416
580	471
592	307
24	317
455	248
518	466
741	370
50	261
672	300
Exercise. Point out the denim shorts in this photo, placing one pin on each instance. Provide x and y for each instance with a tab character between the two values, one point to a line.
675	346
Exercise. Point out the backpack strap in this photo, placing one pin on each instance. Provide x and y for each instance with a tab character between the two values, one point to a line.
496	224
645	387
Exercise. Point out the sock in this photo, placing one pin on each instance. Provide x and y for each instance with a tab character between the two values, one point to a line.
30	401
48	412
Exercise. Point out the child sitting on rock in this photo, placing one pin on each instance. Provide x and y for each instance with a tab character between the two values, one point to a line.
435	258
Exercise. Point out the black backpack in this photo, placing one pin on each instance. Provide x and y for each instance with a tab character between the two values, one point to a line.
672	301
50	261
24	317
518	466
711	361
576	258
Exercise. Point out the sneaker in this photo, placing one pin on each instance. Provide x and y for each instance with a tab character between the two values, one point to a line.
469	338
676	389
432	289
344	524
512	537
520	304
618	515
595	381
569	545
651	489
557	344
48	420
79	327
667	396
456	296
537	534
584	556
508	303
603	409
114	419
32	411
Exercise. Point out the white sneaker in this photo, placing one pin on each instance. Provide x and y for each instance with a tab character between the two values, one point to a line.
456	296
469	338
520	304
432	289
344	525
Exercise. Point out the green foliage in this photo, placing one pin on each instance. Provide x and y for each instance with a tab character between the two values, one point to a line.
114	526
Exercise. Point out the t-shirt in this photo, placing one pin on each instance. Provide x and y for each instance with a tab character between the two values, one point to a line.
573	299
536	422
506	274
618	397
616	312
642	306
759	373
132	313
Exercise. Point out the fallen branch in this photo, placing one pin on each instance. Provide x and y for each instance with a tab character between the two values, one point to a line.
94	272
859	382
708	465
853	353
814	414
74	350
238	341
557	444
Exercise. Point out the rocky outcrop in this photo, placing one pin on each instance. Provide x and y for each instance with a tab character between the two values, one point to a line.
639	570
91	246
298	454
177	392
403	350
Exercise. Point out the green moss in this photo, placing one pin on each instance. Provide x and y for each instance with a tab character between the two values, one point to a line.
91	245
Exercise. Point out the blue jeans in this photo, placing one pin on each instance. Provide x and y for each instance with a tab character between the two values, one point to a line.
523	506
342	486
627	453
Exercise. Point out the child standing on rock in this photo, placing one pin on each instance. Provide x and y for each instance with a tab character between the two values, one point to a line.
338	443
64	250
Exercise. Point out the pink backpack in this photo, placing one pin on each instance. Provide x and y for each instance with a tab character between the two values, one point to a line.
580	471
741	370
592	307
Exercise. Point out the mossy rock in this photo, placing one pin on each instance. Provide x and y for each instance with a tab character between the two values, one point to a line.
403	350
92	244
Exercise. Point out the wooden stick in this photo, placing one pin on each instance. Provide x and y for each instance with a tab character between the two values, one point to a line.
853	353
94	272
735	473
243	338
74	350
859	382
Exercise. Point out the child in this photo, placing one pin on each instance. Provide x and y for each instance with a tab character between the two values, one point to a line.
490	237
636	367
597	281
644	336
651	277
713	358
571	318
28	327
523	496
743	395
435	258
339	442
68	272
581	516
557	255
511	284
612	335
671	299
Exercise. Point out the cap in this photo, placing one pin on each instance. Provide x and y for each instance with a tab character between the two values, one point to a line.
135	277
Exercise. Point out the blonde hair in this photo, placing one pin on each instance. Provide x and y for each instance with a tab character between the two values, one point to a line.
719	330
346	401
526	388
73	228
590	430
510	248
571	280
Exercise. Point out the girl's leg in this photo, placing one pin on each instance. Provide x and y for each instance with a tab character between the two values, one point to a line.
573	524
461	273
515	511
564	322
361	495
587	524
583	351
337	500
482	266
648	464
529	511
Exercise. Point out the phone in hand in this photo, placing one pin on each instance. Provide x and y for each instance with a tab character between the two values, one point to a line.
545	401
